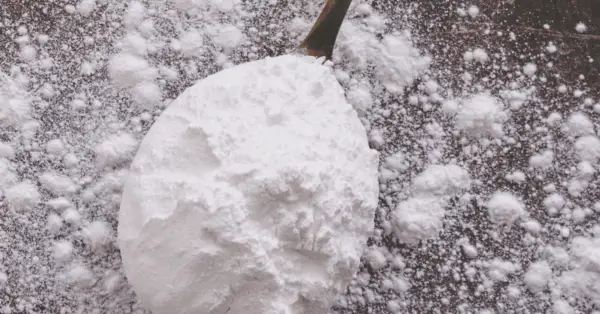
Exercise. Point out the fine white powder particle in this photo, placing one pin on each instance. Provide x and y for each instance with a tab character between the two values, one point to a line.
7	175
537	276
79	276
543	160
115	149
580	124
85	7
55	147
588	148
421	216
229	37
480	116
517	176
192	43
580	27
62	250
22	196
554	202
16	105
480	55
146	94
529	69
6	151
398	63
71	216
499	269
98	235
417	219
584	277
505	208
57	183
127	69
376	259
247	197
134	15
59	203
473	11
441	180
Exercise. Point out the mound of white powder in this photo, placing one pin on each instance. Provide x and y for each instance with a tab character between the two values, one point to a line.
247	197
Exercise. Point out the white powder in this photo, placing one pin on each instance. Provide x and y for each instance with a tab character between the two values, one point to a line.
62	250
15	102
127	69
554	202
228	37
588	148
376	259
480	55
192	43
55	147
6	151
248	197
537	276
115	149
7	174
480	116
54	223
580	124
561	306
421	216
146	94
98	235
473	11
584	277
134	43
399	64
57	183
71	216
134	14
580	27
79	276
529	69
517	176
499	269
543	160
85	7
505	208
417	219
22	196
59	203
441	180
553	118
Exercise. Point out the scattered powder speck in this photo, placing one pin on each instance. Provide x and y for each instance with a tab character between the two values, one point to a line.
421	215
15	101
481	116
581	27
115	149
22	196
473	11
530	69
505	208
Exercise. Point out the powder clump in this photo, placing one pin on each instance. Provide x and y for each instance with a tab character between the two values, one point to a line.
254	192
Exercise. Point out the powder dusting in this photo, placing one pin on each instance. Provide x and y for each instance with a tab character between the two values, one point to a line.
247	197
